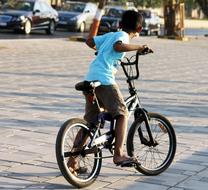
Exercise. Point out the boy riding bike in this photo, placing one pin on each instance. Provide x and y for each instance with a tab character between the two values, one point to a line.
111	47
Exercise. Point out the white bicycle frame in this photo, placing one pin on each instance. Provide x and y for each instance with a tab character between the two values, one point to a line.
131	103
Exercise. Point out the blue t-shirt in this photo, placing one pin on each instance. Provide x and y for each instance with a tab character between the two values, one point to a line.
105	65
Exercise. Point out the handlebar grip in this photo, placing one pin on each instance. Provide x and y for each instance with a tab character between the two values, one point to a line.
145	51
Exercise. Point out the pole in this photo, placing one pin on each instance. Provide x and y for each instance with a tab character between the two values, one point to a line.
174	19
169	17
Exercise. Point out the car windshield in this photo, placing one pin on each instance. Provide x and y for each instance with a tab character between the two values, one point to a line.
73	7
145	14
115	13
19	5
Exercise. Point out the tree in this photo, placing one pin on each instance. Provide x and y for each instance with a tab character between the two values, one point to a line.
148	3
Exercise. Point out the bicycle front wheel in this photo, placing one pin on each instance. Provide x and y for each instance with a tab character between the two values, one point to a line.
153	159
77	166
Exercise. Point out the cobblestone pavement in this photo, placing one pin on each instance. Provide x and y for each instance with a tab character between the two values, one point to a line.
37	95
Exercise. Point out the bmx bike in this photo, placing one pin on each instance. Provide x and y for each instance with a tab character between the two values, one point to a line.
151	138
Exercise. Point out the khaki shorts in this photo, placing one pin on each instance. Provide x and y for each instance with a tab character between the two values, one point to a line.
110	98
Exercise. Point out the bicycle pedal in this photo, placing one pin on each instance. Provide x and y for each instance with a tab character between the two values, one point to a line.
128	165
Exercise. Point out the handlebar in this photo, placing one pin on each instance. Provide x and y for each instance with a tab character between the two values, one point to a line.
127	66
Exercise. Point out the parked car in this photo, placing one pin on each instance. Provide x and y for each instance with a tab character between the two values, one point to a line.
28	15
110	21
151	22
76	16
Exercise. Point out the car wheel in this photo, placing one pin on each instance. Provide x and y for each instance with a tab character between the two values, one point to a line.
148	33
51	28
157	33
82	27
27	27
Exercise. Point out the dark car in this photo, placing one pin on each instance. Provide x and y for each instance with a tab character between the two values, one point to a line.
28	15
151	22
76	16
110	21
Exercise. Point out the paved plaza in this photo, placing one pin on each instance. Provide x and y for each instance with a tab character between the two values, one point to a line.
37	95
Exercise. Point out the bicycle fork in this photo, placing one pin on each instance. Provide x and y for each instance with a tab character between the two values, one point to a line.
143	114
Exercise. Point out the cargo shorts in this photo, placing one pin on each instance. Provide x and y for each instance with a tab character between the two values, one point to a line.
109	98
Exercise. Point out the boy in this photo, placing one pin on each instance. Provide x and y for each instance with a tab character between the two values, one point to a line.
111	47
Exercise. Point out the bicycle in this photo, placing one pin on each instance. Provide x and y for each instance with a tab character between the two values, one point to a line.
151	138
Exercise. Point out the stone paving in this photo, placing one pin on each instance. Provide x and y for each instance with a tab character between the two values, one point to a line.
37	95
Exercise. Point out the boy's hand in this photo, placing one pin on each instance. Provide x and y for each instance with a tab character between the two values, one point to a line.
146	49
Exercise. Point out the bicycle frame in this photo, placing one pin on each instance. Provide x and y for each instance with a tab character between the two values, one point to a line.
132	102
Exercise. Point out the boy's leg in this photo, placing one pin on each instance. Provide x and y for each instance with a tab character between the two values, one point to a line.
78	144
120	135
113	102
91	111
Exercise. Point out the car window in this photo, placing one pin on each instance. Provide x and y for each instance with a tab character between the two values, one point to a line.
115	13
73	7
44	6
90	8
146	14
19	5
37	6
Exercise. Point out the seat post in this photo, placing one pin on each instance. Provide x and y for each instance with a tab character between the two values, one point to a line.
97	102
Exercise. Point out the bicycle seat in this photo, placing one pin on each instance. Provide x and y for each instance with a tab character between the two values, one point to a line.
87	85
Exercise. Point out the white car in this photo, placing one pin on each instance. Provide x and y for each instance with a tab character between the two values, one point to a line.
151	22
76	16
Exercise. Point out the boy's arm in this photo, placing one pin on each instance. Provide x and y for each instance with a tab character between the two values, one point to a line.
96	22
122	47
90	42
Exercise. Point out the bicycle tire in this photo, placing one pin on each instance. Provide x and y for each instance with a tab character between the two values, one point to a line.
147	155
67	130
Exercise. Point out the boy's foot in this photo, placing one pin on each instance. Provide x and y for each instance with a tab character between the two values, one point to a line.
80	170
74	168
126	161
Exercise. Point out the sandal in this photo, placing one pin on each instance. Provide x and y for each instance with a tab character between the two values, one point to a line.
130	162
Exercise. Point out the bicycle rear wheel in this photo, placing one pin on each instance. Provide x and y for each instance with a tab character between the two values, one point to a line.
153	159
70	143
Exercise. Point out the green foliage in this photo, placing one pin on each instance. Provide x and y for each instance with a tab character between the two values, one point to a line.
148	3
191	3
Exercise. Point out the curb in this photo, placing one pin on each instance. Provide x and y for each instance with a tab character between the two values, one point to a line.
77	38
174	38
2	47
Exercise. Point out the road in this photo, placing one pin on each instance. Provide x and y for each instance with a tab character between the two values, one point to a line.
196	31
64	34
7	34
37	95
